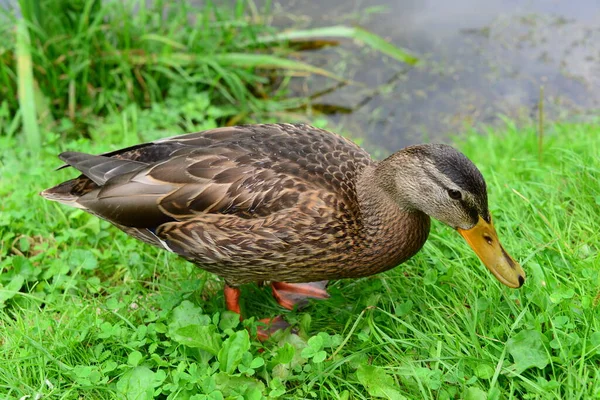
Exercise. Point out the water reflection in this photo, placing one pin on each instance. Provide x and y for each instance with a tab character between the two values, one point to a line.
482	60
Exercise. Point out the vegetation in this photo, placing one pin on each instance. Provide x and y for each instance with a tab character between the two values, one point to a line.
86	312
80	60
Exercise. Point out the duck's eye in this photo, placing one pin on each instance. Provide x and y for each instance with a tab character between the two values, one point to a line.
454	194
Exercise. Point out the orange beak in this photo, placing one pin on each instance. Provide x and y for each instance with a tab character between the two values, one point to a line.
483	239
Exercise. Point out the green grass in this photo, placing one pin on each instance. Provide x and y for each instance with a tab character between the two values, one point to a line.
86	312
70	62
92	57
90	313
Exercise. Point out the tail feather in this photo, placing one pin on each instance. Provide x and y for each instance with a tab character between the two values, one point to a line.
99	168
65	193
96	170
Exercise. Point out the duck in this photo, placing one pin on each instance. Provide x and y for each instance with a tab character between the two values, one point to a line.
290	205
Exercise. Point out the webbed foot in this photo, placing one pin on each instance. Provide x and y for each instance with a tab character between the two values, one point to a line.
272	325
289	295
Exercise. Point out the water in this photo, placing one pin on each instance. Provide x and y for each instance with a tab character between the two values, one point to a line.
482	60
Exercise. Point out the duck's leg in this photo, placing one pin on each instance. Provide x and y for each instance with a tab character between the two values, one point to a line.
232	301
289	295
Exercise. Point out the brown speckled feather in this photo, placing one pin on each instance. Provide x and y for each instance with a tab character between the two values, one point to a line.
249	203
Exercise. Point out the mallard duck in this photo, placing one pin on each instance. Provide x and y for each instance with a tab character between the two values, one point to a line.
289	204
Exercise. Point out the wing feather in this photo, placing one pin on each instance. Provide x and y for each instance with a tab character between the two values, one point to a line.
250	171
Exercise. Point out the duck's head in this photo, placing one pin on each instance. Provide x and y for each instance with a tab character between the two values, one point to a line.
443	183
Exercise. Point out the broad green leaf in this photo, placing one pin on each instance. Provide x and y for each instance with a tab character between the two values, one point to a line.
229	320
558	295
546	385
186	314
137	384
134	358
316	342
22	266
308	352
277	387
82	371
483	303
203	337
12	288
474	393
85	259
24	244
560	321
484	371
319	356
378	383
494	394
527	349
328	340
236	385
431	277
257	362
404	308
253	393
233	350
109	365
430	378
285	354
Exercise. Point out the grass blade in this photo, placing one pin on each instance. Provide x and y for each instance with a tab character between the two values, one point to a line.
152	37
30	9
270	62
340	31
264	61
26	87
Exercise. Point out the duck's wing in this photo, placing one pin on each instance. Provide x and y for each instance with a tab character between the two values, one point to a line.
249	170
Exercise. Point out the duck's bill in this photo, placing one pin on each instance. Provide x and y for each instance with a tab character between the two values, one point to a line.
483	239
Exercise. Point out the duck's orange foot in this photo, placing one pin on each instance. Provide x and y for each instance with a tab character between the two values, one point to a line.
267	327
271	325
289	295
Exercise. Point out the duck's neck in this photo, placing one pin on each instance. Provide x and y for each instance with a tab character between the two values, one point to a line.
393	230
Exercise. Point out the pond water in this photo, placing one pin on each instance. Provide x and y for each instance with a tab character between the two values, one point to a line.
481	60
